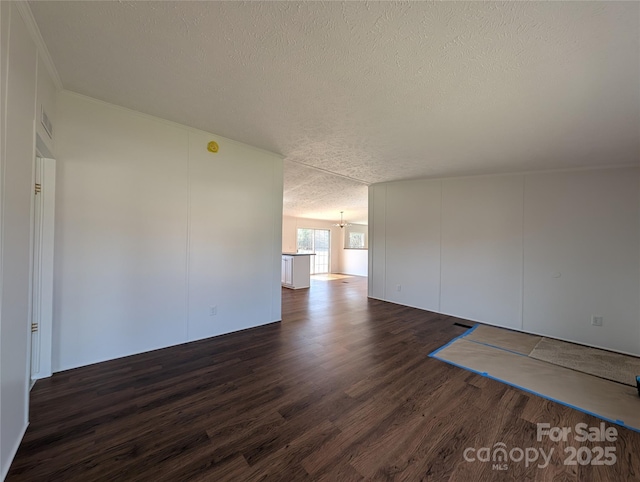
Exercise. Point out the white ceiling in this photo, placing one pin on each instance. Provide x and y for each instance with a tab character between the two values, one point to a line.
370	91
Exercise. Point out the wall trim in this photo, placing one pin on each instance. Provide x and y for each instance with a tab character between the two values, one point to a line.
523	330
34	31
515	173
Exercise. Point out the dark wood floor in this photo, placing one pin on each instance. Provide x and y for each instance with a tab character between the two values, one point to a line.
341	390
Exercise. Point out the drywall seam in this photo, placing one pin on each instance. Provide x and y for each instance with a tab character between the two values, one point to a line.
524	186
187	257
370	214
273	240
440	248
384	284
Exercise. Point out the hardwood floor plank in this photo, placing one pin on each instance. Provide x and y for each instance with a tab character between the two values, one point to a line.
341	390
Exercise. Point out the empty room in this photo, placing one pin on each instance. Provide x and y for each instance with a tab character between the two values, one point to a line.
338	241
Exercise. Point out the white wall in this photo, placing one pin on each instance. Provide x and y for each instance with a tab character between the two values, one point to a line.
152	230
482	249
581	257
412	243
18	71
538	252
355	261
234	237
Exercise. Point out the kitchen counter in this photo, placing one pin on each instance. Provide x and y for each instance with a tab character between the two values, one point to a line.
296	270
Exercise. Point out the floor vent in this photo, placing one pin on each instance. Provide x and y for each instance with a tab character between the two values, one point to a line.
462	325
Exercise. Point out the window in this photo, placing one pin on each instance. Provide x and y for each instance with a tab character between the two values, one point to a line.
355	237
315	241
355	241
305	240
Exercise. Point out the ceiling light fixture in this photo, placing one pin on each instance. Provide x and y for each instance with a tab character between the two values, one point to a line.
342	223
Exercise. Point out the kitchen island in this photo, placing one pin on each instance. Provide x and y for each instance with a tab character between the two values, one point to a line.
296	269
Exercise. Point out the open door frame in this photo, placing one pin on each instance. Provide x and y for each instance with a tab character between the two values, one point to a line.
42	264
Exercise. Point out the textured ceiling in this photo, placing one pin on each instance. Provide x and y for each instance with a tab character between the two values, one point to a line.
310	193
371	91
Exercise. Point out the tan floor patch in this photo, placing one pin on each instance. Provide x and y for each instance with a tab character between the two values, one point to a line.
509	340
606	399
602	363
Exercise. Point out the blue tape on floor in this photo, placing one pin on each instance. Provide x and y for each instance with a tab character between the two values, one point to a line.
470	330
467	333
486	375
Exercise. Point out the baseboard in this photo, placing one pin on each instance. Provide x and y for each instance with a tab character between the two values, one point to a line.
521	330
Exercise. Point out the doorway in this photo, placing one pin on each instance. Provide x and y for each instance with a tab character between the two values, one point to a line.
316	241
42	268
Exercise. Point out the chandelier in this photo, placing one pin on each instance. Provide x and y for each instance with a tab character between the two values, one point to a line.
342	224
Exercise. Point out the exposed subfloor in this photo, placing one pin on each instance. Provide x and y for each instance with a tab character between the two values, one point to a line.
506	356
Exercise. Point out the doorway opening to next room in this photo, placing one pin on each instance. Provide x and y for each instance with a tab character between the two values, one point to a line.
318	242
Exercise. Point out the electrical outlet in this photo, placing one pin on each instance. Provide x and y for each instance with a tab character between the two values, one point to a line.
213	310
597	320
399	288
